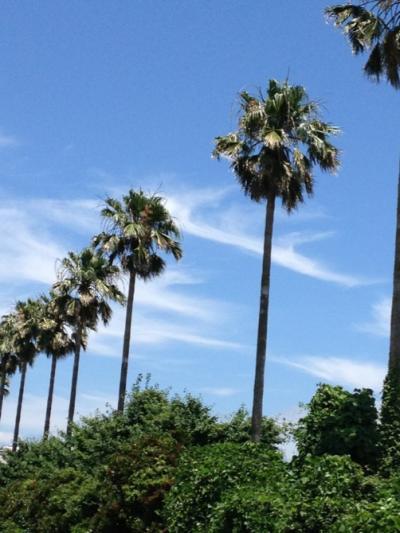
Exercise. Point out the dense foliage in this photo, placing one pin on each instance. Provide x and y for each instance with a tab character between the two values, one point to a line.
168	464
112	472
339	422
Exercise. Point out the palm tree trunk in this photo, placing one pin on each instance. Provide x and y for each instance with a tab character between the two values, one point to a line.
2	388
74	382
19	406
256	419
394	351
127	339
390	410
50	396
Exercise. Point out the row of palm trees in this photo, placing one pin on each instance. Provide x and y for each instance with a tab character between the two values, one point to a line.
136	230
281	138
279	142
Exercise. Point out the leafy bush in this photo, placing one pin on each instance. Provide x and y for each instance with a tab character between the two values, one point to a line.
248	509
244	488
340	423
168	464
113	471
321	490
378	511
206	474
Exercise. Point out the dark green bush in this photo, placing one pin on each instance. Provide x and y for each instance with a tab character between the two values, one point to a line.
321	490
206	474
340	423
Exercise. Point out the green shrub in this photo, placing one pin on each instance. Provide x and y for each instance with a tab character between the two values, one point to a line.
113	471
321	490
205	474
340	423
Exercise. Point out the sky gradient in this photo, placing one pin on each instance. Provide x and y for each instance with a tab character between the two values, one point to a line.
99	97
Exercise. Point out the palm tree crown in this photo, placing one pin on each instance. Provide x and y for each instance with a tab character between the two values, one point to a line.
136	229
54	335
279	140
86	284
373	25
27	329
8	357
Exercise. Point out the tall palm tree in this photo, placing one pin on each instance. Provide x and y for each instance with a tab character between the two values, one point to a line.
25	342
55	341
137	229
280	139
87	282
8	358
373	26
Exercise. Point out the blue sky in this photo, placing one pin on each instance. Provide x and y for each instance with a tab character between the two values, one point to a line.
98	97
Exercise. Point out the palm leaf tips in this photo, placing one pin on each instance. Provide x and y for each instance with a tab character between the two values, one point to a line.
375	26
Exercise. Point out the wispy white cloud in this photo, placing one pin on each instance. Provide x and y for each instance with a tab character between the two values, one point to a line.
27	251
203	213
230	228
82	215
33	412
8	141
344	371
153	330
162	293
380	321
30	246
223	392
32	240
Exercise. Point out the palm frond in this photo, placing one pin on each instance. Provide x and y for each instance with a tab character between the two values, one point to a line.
373	26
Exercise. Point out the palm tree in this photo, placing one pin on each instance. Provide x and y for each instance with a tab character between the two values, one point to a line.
136	230
8	358
56	342
373	26
87	282
25	342
280	139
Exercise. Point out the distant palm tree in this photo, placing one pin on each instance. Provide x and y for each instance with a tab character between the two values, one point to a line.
8	358
87	282
279	141
136	230
55	341
25	342
373	26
